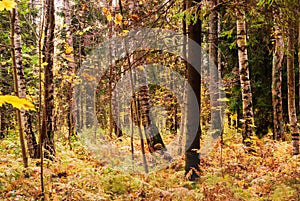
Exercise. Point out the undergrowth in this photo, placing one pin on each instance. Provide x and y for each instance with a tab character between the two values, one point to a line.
227	173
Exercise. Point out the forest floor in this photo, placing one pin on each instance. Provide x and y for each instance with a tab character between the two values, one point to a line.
228	173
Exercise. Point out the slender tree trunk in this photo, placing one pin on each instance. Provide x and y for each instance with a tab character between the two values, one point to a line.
222	104
276	84
213	71
16	87
4	116
192	157
111	120
291	90
136	117
184	109
299	45
48	51
244	78
25	116
116	107
2	122
110	82
71	71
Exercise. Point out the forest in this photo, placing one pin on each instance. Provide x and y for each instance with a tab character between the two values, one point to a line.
150	100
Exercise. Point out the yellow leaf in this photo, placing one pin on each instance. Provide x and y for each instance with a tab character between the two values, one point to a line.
16	102
1	101
105	10
44	64
7	4
141	67
1	6
118	19
109	17
69	50
124	33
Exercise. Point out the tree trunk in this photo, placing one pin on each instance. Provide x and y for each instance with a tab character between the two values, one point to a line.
154	139
192	158
48	51
291	90
4	113
71	71
16	87
110	82
2	122
21	84
276	85
296	139
219	59
244	78
213	71
184	108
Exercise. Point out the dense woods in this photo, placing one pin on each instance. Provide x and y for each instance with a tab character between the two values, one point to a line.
149	100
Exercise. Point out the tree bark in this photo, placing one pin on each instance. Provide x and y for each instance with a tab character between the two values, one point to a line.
192	158
276	85
213	71
154	139
71	71
247	132
21	85
291	90
16	88
48	51
4	110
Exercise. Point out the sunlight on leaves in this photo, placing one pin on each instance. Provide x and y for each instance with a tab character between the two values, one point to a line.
16	102
7	4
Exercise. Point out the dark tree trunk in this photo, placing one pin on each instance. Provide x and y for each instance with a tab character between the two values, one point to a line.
291	89
4	113
48	51
192	158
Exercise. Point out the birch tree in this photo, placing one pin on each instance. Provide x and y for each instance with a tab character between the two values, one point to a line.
277	82
21	85
247	132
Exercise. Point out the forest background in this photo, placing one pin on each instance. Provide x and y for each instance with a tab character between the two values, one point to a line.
254	46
